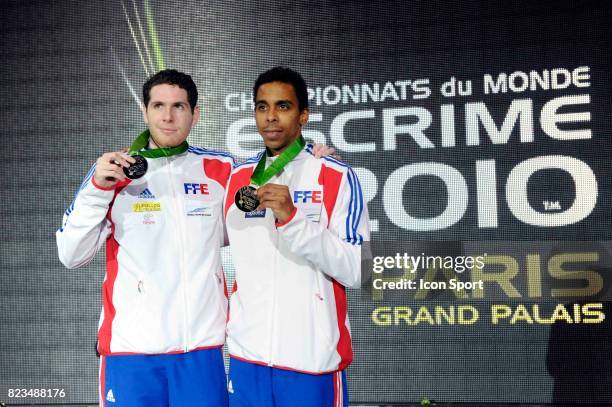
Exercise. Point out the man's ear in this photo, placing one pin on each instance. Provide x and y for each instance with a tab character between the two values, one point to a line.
304	117
196	116
143	109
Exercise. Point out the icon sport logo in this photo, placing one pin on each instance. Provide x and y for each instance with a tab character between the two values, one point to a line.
307	196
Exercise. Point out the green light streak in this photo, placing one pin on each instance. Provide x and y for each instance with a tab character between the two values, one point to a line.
159	57
144	65
143	36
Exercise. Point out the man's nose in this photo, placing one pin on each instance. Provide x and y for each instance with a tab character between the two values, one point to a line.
167	114
272	115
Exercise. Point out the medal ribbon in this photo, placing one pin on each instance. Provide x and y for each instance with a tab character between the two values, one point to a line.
261	175
143	140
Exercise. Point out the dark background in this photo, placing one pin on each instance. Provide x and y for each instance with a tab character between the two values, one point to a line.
65	97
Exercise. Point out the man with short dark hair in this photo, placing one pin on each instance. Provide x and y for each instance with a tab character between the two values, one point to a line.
295	225
159	210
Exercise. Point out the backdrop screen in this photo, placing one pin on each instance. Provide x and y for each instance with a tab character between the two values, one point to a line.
474	122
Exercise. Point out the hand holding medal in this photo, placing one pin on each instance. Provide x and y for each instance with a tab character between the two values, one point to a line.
109	168
139	166
248	198
278	198
116	166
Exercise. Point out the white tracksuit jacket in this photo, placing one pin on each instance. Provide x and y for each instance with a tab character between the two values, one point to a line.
288	306
164	289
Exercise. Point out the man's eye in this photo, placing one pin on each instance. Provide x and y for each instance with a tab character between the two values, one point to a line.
260	107
284	106
180	107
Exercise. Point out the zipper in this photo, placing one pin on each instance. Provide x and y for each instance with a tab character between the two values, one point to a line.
284	178
180	231
273	308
